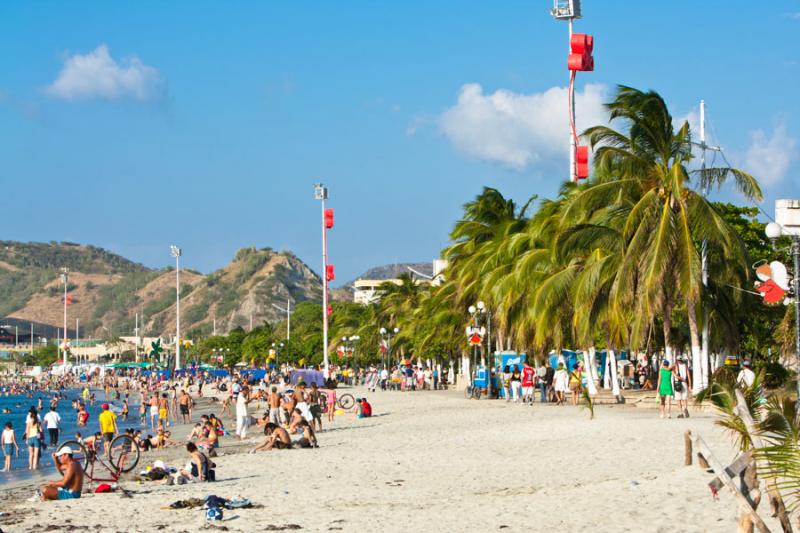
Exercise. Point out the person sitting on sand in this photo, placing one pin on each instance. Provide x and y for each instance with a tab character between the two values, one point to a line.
276	437
71	485
210	439
196	433
300	424
200	468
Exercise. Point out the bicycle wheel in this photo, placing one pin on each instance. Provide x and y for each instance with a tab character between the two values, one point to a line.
346	401
123	453
78	453
468	392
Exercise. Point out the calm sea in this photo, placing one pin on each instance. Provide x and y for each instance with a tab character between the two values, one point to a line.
20	405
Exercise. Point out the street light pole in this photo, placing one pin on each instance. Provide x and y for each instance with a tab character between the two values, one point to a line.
321	193
176	253
65	279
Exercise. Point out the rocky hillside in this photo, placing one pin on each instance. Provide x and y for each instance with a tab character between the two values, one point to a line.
107	290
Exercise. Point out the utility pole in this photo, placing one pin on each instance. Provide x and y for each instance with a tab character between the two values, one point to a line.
65	280
176	253
579	59
700	364
321	194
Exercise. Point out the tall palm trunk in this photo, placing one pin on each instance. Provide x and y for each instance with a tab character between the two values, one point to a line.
588	363
612	359
667	329
694	335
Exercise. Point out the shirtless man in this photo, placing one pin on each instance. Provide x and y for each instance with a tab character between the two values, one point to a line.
184	402
274	401
71	485
277	437
153	410
316	409
163	411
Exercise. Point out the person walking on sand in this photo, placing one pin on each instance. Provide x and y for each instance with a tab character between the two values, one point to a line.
108	426
183	403
153	410
9	441
561	383
516	384
242	418
528	377
575	383
664	387
330	404
683	384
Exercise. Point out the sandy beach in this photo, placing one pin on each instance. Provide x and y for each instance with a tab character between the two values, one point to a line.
433	461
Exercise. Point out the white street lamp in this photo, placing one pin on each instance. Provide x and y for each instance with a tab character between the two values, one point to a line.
176	253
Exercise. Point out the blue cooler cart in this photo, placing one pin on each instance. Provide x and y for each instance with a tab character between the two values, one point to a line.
481	381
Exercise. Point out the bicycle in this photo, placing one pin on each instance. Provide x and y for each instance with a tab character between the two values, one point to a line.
345	401
121	456
472	393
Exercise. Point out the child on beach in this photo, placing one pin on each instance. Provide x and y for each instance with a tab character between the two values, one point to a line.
330	403
125	410
9	440
142	413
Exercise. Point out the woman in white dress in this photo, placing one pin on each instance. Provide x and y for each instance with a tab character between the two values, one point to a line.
561	383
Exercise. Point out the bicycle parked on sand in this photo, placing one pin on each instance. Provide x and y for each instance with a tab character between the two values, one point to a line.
121	456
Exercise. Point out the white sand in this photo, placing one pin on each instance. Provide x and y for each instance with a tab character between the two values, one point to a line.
437	462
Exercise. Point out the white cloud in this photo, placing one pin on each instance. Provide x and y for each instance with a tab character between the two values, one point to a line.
768	157
98	75
519	130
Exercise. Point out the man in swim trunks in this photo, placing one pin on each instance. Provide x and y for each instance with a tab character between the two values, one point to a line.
153	410
183	403
108	425
274	401
163	411
71	485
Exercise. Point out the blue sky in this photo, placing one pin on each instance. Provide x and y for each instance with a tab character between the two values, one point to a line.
134	125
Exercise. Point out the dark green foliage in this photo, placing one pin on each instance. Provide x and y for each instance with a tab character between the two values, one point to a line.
775	374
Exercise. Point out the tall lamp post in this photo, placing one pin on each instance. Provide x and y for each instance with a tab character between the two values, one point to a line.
288	312
787	224
387	334
476	311
176	253
65	281
277	347
321	194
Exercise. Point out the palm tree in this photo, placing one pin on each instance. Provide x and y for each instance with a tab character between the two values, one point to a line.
645	173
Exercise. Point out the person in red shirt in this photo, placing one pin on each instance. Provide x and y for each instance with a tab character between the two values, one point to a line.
528	377
83	416
363	408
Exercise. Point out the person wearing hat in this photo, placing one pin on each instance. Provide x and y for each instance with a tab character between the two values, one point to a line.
746	377
682	384
71	484
108	425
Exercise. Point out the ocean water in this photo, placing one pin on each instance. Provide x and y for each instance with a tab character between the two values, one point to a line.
21	404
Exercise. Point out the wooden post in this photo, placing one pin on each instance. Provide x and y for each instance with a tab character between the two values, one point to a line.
687	448
775	498
744	502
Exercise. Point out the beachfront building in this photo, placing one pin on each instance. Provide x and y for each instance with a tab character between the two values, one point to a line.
367	291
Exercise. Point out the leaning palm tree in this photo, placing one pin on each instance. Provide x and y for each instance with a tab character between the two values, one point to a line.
645	172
